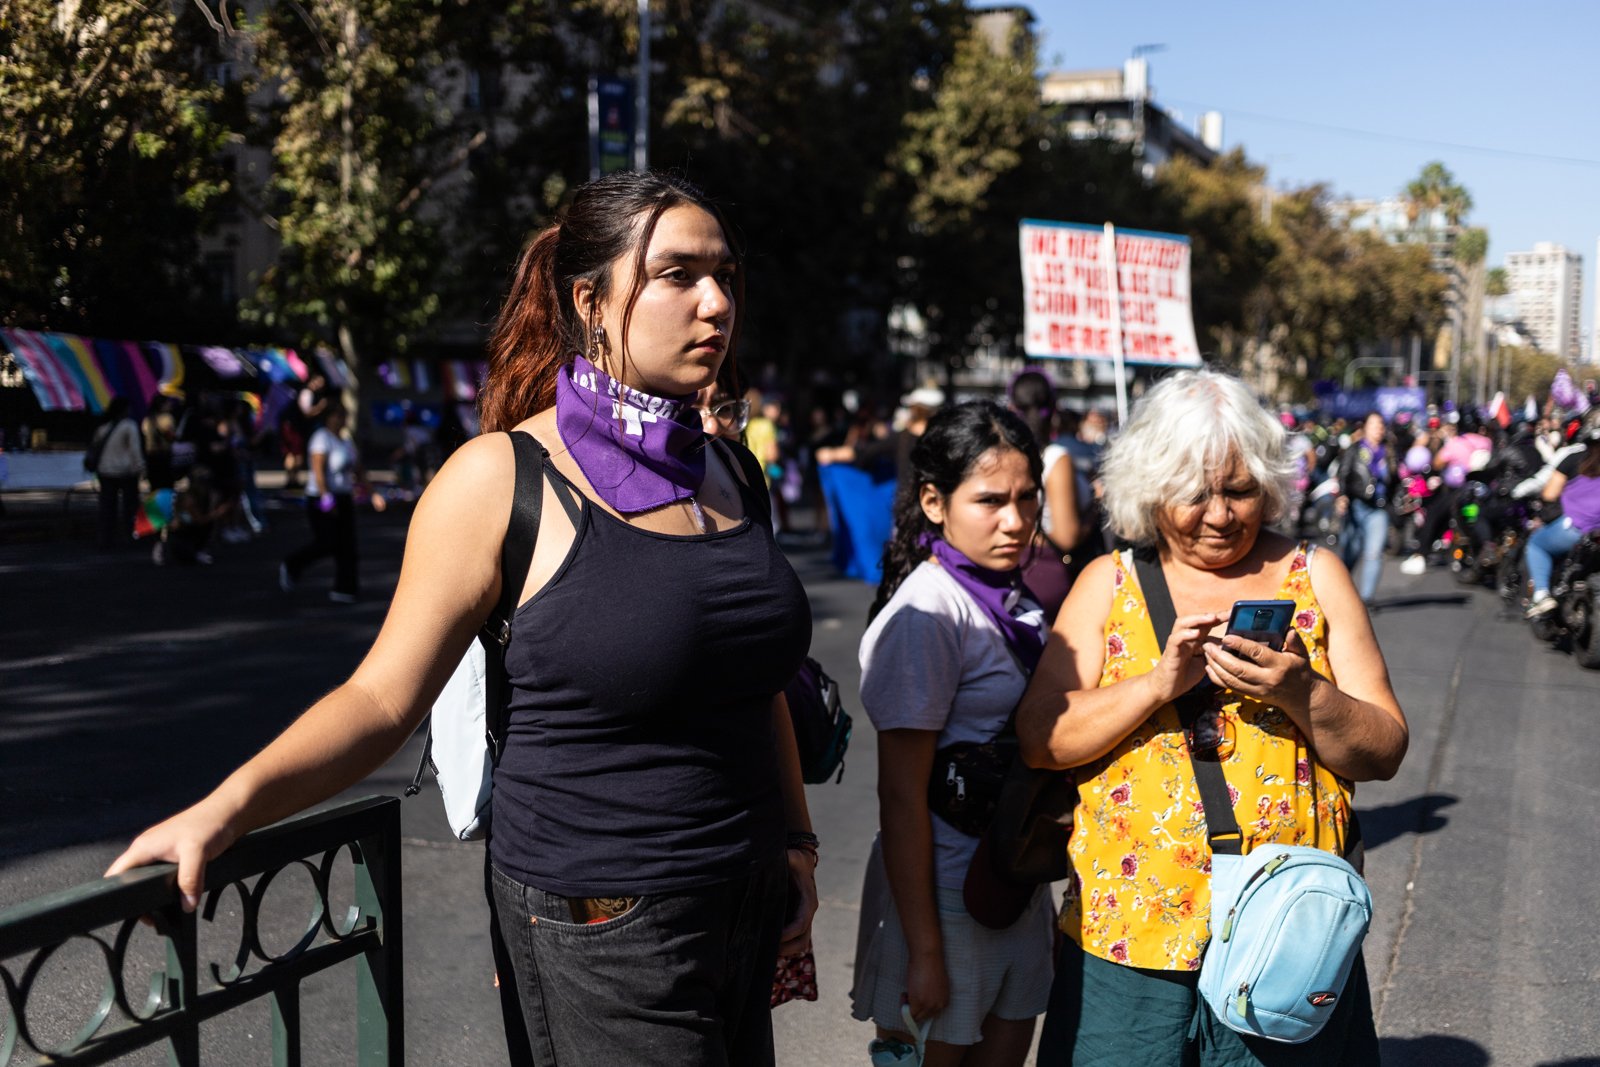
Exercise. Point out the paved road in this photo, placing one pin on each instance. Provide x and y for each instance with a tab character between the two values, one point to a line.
128	690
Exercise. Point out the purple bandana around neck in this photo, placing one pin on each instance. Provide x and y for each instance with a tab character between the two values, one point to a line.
638	451
1000	595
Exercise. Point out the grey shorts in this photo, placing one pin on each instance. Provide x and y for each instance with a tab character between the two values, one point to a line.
1004	973
682	978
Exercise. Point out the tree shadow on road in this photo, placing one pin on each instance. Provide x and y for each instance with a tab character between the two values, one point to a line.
1419	815
1433	1050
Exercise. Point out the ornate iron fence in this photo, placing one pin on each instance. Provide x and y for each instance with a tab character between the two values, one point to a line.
175	1005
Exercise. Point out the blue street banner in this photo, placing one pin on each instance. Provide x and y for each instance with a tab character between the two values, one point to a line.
610	126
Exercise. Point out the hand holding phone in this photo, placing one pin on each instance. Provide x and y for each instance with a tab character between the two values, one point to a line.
1266	622
1265	669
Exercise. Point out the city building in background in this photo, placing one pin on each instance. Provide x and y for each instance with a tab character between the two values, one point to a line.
1547	285
1119	105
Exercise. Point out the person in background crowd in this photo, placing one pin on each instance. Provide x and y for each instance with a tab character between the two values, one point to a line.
249	439
121	462
1047	569
1088	442
1194	482
952	639
160	432
873	450
334	471
1461	451
1303	454
413	460
650	850
1576	484
1367	475
196	509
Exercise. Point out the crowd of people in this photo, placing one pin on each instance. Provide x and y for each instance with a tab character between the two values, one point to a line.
651	857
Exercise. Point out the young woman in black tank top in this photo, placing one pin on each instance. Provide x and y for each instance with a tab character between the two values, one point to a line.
651	849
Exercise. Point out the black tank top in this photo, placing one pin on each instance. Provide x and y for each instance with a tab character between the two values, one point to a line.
640	756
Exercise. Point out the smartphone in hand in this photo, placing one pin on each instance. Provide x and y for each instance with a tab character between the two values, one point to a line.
1266	622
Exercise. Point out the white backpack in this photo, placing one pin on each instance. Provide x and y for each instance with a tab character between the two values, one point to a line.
464	737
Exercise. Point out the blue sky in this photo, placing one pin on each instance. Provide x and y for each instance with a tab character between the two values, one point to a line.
1521	78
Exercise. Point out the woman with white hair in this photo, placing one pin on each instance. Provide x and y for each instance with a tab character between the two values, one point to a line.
1194	482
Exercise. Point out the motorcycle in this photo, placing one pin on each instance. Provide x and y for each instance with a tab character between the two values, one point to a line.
1469	538
1576	616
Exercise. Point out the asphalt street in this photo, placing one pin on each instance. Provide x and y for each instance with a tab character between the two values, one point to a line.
128	690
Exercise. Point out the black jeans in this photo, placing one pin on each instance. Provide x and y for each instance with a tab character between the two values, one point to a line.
119	499
682	980
333	533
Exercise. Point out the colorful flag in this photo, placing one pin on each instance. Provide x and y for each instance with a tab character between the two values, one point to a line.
1500	411
55	389
139	366
170	361
83	371
298	365
154	514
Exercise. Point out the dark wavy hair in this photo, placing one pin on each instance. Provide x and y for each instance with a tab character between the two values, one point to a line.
608	223
956	438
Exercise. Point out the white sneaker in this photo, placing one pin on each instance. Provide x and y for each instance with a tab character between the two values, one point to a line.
1414	565
1543	604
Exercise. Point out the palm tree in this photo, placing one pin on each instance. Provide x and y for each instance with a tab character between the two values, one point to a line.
1436	189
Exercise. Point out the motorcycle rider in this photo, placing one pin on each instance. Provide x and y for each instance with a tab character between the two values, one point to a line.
1463	451
1577	484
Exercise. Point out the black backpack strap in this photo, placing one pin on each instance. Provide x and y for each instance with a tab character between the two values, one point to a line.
516	555
759	497
1221	825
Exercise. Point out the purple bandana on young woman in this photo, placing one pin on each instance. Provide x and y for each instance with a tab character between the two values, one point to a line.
1000	595
638	451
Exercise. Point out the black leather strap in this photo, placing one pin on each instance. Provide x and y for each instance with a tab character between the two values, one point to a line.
757	497
516	555
1221	825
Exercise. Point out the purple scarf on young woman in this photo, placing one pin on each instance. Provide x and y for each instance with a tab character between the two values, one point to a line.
1001	597
638	451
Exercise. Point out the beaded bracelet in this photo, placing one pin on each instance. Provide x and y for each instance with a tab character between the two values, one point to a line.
804	841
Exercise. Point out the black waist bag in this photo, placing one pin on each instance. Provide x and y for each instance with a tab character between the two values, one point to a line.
968	776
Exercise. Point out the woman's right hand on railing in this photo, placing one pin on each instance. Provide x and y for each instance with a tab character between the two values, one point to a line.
191	839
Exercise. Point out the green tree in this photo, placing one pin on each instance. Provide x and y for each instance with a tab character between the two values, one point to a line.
1217	206
1436	188
961	165
108	169
359	137
1497	284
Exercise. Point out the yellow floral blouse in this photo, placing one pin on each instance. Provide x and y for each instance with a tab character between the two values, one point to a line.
1140	888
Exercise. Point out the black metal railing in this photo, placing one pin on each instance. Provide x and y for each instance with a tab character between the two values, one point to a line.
105	916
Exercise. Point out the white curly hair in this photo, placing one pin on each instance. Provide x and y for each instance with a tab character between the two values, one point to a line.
1178	437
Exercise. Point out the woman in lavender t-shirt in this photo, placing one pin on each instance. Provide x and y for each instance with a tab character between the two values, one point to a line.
953	639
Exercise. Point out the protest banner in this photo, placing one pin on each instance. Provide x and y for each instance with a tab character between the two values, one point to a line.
1099	293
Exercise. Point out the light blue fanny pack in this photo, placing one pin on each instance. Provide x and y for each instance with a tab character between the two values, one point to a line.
1286	925
1287	921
